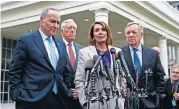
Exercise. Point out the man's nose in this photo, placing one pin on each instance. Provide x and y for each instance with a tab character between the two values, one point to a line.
56	25
131	34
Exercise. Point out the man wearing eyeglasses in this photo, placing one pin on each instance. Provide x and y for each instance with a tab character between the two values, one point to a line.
144	66
171	100
68	30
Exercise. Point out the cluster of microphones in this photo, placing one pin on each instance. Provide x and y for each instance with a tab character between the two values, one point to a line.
91	67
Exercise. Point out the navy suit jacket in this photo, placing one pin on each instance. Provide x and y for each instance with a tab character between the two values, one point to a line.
69	67
31	75
155	85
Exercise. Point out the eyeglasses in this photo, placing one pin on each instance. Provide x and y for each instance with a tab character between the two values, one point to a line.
175	72
70	27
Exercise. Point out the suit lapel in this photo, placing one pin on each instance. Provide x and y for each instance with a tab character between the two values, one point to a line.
144	60
76	51
128	58
93	51
39	42
60	47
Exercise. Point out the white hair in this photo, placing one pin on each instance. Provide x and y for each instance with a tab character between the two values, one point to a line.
63	24
141	28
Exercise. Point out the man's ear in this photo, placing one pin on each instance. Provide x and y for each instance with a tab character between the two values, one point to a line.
61	31
41	19
142	34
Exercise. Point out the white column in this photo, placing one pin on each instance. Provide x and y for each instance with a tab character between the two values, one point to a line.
101	15
142	40
0	52
163	54
173	53
177	54
170	53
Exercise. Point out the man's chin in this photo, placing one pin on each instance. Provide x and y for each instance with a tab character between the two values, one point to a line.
131	43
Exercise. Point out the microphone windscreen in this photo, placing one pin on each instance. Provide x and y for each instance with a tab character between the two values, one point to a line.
89	64
95	57
101	53
113	50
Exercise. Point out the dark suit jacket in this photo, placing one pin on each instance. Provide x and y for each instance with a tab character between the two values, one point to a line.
166	103
31	75
155	85
69	68
68	101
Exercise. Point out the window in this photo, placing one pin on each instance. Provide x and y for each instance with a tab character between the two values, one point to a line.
8	46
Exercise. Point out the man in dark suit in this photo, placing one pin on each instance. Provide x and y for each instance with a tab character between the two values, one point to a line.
144	65
68	30
37	67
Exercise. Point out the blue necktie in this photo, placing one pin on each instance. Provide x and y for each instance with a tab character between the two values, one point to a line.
136	60
53	60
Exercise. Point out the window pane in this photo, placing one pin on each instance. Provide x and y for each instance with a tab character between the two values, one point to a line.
3	64
6	87
4	42
5	97
12	53
2	86
1	97
3	52
7	63
14	44
8	54
6	75
9	43
2	75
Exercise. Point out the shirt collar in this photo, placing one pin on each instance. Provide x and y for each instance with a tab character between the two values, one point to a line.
66	42
44	36
139	48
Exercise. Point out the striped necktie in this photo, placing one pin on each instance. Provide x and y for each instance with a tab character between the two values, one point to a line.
71	54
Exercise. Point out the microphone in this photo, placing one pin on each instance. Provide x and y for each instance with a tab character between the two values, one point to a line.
123	62
113	51
88	66
107	72
97	61
146	78
95	57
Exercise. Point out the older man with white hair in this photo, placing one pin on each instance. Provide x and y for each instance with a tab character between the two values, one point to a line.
68	31
141	59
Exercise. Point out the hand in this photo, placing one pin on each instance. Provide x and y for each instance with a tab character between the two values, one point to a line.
176	95
75	96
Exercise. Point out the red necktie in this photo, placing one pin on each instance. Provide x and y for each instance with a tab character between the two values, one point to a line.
71	53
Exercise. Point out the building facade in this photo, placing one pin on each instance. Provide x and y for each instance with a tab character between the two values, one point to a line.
159	19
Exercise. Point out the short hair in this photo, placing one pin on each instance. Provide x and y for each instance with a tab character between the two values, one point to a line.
63	24
91	35
175	66
141	28
45	11
156	49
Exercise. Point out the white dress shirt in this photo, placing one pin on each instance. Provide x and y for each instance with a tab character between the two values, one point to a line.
139	53
73	48
45	41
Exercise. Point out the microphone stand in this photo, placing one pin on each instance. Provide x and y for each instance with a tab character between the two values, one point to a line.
115	70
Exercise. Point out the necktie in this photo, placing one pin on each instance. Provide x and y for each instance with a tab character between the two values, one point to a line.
71	53
136	60
53	60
